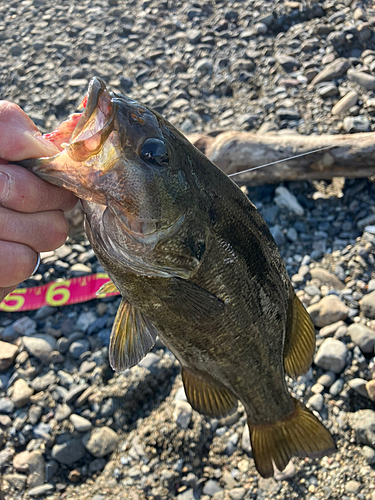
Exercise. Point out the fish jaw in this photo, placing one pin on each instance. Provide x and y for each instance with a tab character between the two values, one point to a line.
78	166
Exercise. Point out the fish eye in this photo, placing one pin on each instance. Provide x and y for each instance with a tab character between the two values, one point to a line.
155	151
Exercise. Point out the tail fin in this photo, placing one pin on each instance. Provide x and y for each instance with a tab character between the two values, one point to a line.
300	433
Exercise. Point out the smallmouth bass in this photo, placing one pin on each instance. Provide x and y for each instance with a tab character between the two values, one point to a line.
196	264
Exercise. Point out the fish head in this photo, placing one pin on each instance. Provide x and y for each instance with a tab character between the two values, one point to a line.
130	163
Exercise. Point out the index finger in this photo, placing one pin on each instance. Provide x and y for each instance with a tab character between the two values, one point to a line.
25	192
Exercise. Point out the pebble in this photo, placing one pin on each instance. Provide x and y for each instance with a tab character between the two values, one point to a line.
370	389
316	402
8	354
42	490
352	486
101	441
367	305
69	452
356	124
211	487
369	454
330	330
363	79
363	423
344	104
359	385
237	493
331	355
182	414
327	311
286	474
335	70
21	393
363	337
285	199
40	346
80	424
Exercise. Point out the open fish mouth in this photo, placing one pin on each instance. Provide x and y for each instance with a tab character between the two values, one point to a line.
97	112
79	138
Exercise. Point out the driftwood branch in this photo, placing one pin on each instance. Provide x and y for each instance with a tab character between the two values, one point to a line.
352	155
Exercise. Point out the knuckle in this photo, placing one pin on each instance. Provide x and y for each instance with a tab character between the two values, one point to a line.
59	230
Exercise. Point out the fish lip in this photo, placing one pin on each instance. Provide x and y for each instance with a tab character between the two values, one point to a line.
97	88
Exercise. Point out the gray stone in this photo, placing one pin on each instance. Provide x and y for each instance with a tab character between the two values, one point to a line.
369	454
149	360
80	424
42	490
363	337
333	71
211	487
6	405
363	79
363	423
40	346
331	355
330	330
36	469
62	412
79	347
42	383
326	278
327	311
285	474
21	393
237	493
69	452
327	379
359	385
245	440
18	481
8	353
344	104
352	486
24	326
285	199
278	235
316	402
367	305
85	319
182	414
357	124
101	441
204	66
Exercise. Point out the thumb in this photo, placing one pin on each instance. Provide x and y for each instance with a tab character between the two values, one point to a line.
19	136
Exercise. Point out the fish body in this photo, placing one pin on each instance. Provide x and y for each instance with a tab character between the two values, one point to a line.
195	264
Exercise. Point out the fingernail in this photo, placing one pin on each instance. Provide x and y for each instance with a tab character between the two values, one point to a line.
47	144
4	186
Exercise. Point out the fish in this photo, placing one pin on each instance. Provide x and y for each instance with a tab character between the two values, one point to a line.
195	264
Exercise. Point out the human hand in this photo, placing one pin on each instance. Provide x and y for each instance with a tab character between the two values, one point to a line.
32	216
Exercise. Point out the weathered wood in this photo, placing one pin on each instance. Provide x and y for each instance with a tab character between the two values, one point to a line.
352	155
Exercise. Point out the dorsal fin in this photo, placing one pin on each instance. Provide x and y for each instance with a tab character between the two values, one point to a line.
206	397
132	337
299	340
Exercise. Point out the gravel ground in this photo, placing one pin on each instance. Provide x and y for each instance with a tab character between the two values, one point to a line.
69	426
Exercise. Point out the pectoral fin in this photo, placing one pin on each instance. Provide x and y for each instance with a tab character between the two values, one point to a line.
108	287
206	397
192	301
299	341
132	337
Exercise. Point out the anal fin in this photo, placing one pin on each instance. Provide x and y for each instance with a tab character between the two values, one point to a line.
299	340
133	335
300	434
206	397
